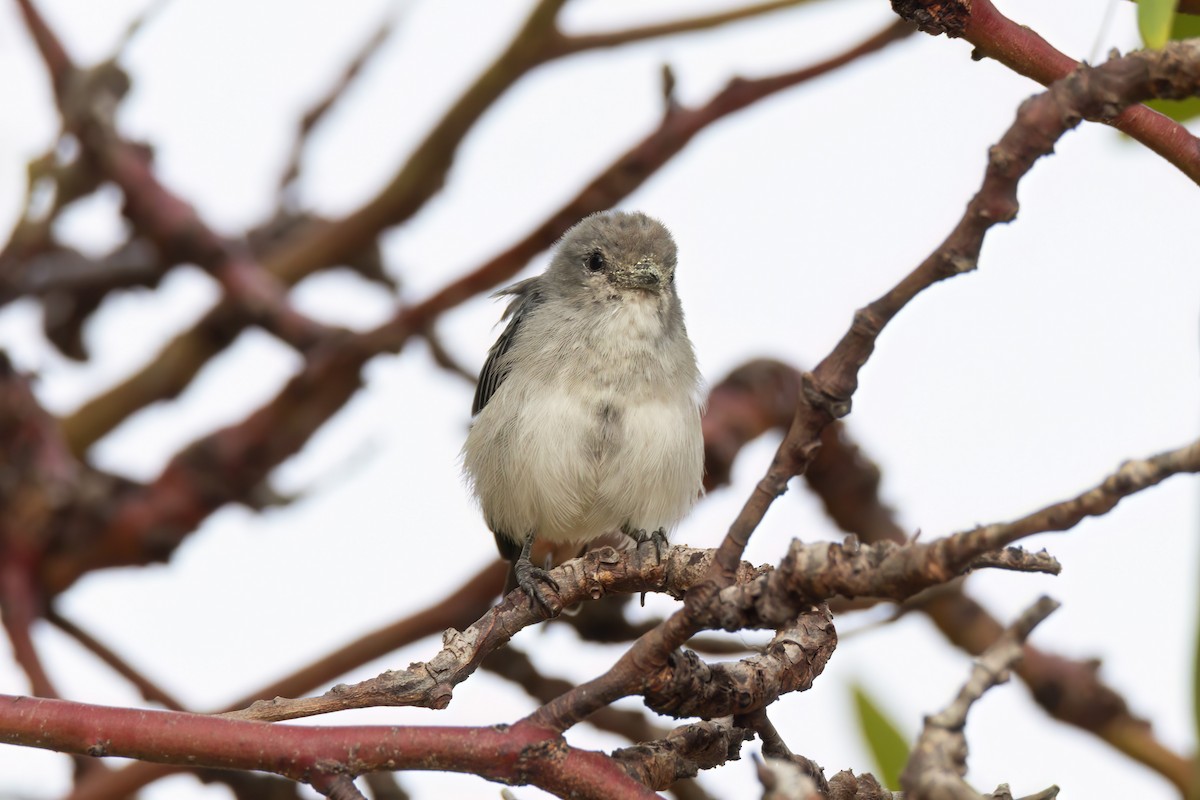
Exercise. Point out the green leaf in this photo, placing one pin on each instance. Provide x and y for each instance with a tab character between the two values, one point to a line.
888	746
1154	21
1178	110
1185	26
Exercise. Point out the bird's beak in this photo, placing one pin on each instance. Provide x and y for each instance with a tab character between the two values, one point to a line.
642	275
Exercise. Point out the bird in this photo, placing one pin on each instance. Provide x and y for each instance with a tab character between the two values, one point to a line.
586	416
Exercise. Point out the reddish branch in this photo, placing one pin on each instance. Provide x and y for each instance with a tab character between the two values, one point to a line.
518	754
36	477
1023	50
457	609
756	397
20	603
155	211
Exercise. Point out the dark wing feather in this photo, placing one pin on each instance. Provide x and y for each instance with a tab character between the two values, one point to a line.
493	374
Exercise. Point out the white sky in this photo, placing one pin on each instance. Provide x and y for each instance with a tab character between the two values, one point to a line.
1073	347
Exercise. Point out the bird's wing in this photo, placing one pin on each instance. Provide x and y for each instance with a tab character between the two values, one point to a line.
525	298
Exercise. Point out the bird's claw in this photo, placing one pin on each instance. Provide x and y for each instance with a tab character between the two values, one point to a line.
531	579
658	538
539	586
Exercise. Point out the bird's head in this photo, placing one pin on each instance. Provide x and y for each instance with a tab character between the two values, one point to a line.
615	254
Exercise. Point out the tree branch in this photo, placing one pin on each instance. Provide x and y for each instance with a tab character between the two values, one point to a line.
579	43
1101	93
938	761
519	754
1024	51
682	753
161	216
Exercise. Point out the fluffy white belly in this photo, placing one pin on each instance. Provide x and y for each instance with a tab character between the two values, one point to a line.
568	469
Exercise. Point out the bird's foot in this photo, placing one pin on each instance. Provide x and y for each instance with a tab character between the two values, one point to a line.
658	538
536	582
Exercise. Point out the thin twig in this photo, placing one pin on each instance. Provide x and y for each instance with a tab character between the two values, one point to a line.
938	761
148	689
578	43
318	111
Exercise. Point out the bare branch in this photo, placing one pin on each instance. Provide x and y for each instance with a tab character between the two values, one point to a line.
775	749
36	471
458	608
430	684
590	41
19	603
509	662
786	780
1023	50
322	106
444	358
148	689
780	598
758	396
682	753
166	219
1070	690
938	761
689	687
1132	477
316	755
337	787
847	786
1099	93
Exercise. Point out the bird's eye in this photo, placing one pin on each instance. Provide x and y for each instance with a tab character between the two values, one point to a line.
595	261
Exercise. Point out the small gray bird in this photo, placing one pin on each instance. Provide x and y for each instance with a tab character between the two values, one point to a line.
588	407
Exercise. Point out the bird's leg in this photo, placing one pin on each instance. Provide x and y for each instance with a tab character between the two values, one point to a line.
531	578
639	535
